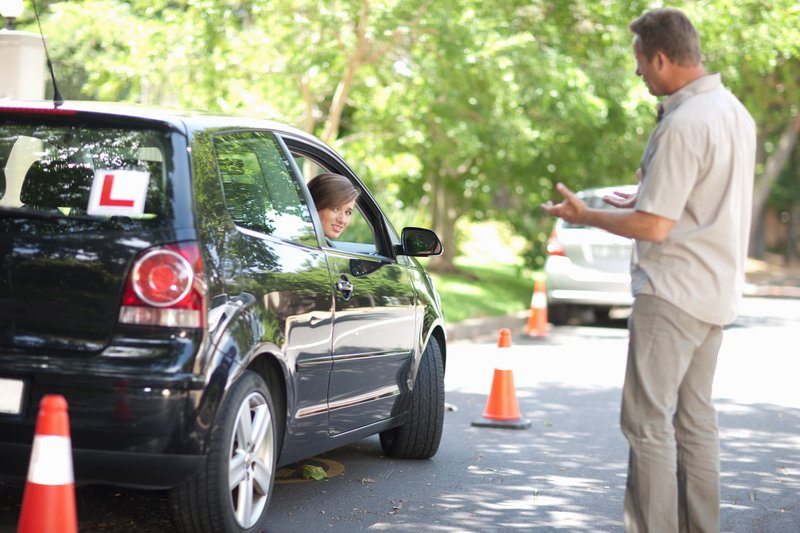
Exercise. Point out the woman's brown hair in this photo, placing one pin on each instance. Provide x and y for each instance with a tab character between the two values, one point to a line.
331	190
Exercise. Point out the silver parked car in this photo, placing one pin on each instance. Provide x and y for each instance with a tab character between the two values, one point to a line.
588	269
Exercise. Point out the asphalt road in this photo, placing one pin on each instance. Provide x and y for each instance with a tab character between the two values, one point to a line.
566	472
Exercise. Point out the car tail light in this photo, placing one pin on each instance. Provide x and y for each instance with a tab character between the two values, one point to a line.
554	246
166	288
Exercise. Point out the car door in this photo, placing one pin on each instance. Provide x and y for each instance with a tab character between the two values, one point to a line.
282	267
374	315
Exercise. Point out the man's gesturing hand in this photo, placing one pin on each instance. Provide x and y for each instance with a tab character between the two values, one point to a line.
622	199
571	208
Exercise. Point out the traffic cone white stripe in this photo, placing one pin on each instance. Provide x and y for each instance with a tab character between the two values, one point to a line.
539	300
51	461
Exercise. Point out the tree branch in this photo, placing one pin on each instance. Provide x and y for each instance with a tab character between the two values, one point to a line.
354	61
308	104
775	164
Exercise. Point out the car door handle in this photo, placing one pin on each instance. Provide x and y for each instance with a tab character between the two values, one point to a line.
345	287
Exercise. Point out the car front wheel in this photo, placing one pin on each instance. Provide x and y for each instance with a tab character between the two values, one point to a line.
232	494
419	437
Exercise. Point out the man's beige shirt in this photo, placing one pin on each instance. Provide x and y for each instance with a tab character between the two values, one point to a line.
698	170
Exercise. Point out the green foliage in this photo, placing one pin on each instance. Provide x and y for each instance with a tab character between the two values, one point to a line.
465	109
491	278
755	44
484	290
786	192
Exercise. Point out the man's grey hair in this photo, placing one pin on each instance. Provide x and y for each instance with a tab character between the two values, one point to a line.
669	31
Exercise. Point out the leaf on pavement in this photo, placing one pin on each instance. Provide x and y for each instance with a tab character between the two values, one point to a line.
314	472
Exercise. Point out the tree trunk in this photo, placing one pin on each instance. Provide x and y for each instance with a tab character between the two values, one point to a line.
763	185
793	236
444	224
354	61
308	104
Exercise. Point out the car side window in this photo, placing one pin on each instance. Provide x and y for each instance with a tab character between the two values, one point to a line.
261	193
360	234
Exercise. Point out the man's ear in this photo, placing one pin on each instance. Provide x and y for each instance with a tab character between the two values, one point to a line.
662	60
659	60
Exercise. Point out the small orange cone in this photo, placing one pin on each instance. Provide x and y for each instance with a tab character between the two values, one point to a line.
537	321
48	502
502	407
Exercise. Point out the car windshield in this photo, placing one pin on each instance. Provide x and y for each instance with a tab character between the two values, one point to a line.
82	172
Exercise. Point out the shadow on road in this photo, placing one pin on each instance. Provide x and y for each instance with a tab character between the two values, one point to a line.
565	473
759	455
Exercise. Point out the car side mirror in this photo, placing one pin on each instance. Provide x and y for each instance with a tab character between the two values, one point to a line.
420	242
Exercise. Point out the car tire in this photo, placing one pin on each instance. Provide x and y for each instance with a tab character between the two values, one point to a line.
244	437
419	437
601	314
559	314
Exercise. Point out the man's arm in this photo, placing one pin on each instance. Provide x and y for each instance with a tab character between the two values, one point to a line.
625	222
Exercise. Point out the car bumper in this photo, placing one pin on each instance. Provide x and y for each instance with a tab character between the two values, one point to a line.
590	298
137	432
582	286
136	470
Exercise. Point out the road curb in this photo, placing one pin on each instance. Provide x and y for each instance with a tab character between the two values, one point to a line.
772	291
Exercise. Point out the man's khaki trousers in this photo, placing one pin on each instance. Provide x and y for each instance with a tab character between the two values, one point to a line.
669	420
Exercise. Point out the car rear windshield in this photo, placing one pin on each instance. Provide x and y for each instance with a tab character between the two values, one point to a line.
593	201
98	173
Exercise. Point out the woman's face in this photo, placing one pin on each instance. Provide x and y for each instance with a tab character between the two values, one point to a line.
336	219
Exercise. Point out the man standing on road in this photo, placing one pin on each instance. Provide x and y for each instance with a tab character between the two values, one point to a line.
690	220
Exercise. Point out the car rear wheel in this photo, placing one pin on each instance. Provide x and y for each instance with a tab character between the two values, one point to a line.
601	314
232	493
559	314
419	437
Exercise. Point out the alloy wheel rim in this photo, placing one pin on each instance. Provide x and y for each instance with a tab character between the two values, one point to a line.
251	460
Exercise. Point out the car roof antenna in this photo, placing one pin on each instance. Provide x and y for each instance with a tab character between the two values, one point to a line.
57	99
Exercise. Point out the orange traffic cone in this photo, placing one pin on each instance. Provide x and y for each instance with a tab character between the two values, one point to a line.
502	407
537	321
48	502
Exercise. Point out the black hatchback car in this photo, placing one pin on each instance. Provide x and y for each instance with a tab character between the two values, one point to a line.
167	273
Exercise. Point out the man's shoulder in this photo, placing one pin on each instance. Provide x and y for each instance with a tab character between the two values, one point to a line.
701	107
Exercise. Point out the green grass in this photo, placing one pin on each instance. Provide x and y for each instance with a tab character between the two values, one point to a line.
492	281
486	290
